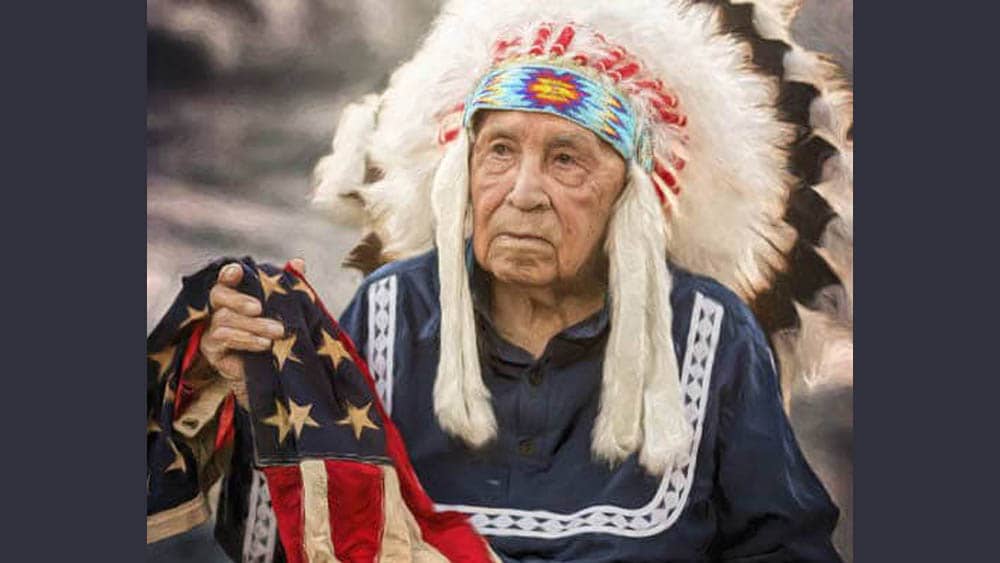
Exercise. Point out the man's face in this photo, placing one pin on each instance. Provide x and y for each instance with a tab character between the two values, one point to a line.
542	192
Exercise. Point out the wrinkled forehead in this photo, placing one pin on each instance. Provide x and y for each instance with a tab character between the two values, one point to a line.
548	129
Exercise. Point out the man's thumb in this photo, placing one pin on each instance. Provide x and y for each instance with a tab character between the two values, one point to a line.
231	274
299	264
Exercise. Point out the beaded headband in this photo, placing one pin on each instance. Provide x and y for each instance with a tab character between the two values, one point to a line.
567	93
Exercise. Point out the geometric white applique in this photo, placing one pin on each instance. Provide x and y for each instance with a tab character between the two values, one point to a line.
670	497
261	525
382	336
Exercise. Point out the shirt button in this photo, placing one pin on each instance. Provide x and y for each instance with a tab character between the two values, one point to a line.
535	378
526	447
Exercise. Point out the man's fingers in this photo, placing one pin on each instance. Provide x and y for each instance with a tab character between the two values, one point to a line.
231	367
231	274
222	297
299	264
259	326
236	339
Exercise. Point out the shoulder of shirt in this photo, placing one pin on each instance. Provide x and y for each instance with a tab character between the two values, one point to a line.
421	269
737	316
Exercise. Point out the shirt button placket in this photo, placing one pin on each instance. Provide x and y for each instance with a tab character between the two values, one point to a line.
526	447
535	377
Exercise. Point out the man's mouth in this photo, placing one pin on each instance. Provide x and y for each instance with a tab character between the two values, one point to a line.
525	237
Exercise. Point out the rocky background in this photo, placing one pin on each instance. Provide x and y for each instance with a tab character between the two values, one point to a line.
243	97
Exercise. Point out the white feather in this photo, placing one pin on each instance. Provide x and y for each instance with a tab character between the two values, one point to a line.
640	365
342	172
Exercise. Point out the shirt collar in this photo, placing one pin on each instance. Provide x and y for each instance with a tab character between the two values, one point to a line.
564	346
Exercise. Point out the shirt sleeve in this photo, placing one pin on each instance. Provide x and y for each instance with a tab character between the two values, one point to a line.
771	505
354	319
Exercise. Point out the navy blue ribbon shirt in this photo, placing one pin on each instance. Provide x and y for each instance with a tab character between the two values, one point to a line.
745	493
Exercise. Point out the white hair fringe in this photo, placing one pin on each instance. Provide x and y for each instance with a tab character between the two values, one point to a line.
461	400
640	364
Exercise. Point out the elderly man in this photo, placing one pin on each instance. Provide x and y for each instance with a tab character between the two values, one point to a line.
555	376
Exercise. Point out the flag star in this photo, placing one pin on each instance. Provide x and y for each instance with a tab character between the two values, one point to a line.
163	359
271	284
298	416
194	315
302	286
357	419
153	426
282	350
178	462
279	420
333	349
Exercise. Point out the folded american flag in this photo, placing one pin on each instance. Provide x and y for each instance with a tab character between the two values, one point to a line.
341	484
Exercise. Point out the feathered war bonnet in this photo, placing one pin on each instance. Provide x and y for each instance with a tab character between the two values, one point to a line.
707	184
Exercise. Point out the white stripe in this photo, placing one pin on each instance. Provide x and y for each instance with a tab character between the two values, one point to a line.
390	372
380	346
670	497
317	540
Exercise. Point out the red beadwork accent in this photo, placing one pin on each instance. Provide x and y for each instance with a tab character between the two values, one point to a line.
666	175
650	84
448	136
667	115
628	70
677	162
563	41
501	46
667	99
541	37
617	65
611	60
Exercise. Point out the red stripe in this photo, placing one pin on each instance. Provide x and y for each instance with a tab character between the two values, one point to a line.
285	485
357	517
225	432
449	532
184	392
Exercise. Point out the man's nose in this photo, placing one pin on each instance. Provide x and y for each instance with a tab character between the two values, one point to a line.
528	193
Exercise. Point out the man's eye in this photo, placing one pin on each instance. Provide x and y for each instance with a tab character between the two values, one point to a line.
565	159
501	150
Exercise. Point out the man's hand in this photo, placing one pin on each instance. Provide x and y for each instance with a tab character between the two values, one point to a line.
236	325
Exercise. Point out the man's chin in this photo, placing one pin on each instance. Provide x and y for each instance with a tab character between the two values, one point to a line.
522	270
